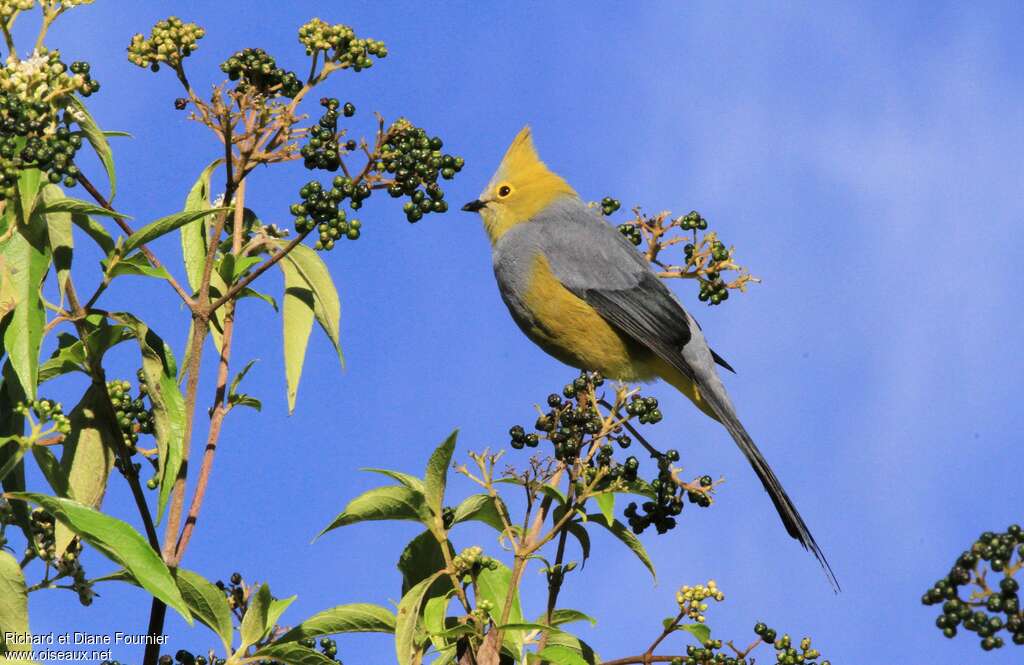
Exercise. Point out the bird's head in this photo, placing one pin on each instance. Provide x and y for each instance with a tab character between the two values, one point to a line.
521	188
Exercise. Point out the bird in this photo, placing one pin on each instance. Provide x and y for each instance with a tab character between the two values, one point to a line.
581	292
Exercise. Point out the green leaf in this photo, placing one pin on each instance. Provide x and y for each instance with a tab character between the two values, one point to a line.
207	604
494	586
241	375
89	453
354	618
412	482
620	531
119	542
230	267
28	194
76	207
135	264
408	617
563	616
248	292
12	423
13	603
254	623
25	260
96	139
58	230
165	225
297	318
277	608
393	502
434	612
13	451
481	508
561	655
326	304
94	230
570	641
606	503
193	234
160	370
292	653
52	471
436	476
420	559
698	630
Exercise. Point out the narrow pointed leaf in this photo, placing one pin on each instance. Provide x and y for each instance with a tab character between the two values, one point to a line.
297	319
135	264
254	623
88	455
436	477
52	471
97	139
354	618
160	372
58	230
165	225
407	619
420	559
410	481
77	207
494	586
13	603
119	542
26	260
193	234
94	230
292	653
481	508
606	503
327	305
382	503
207	604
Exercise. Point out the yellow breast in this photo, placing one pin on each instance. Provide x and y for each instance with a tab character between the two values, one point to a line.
572	331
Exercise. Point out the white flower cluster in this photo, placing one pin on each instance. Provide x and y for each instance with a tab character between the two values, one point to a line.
9	7
39	76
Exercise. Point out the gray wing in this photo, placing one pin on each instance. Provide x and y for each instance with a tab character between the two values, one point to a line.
598	265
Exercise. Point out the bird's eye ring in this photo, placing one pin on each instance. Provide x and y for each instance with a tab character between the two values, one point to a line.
504	191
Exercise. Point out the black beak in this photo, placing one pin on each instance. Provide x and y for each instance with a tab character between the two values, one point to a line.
474	206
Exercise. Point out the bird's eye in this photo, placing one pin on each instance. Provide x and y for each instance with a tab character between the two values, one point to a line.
504	191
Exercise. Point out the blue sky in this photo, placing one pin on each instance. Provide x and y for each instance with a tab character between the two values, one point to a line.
864	160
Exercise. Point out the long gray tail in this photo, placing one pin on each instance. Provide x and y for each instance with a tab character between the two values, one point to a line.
787	511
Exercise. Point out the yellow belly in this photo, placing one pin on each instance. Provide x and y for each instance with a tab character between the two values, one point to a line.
572	331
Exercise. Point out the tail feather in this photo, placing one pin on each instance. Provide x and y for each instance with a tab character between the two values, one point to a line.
783	504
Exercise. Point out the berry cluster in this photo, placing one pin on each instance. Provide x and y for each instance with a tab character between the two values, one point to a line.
257	71
632	233
984	609
46	411
692	221
713	290
573	425
43	545
9	7
414	159
340	44
785	652
609	205
328	647
170	41
33	134
319	210
322	150
691	599
183	657
471	558
132	415
235	591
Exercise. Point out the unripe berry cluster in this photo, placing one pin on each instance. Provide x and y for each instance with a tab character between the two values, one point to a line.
322	150
319	210
133	418
990	608
414	159
46	411
170	41
691	599
340	43
785	652
328	647
256	71
609	205
9	7
471	558
41	525
714	290
692	221
185	657
632	233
